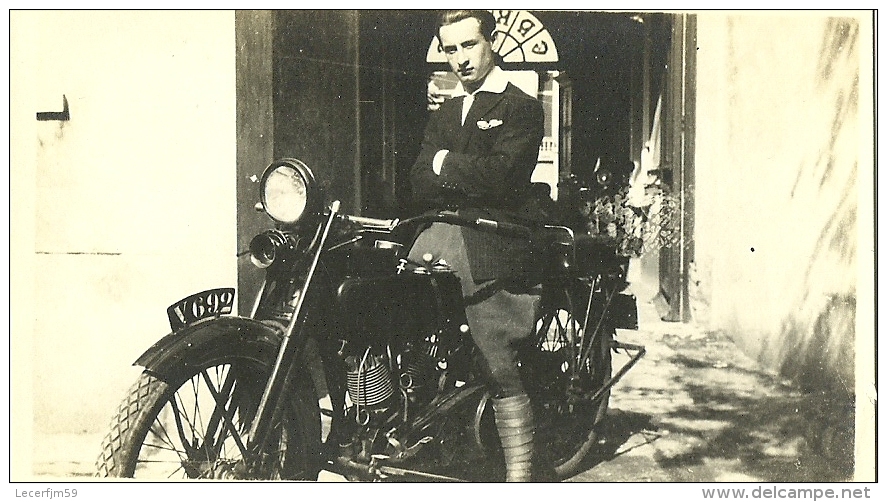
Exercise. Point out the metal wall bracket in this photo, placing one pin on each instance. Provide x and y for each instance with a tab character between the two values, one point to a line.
63	115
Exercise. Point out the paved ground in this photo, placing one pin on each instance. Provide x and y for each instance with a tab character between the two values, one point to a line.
694	409
697	409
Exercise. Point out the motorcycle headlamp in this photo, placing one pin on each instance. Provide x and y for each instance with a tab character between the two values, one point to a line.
288	190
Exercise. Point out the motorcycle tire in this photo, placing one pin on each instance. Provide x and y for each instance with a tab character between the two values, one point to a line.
570	408
170	430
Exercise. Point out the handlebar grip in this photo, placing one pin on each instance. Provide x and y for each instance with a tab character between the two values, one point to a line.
372	222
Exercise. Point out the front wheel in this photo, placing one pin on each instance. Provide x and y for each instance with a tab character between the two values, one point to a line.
198	427
572	363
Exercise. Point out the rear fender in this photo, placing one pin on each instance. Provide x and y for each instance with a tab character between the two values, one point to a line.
170	358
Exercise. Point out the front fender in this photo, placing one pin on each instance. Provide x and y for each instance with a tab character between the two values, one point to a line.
170	358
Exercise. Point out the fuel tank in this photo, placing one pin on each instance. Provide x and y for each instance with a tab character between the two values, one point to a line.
399	307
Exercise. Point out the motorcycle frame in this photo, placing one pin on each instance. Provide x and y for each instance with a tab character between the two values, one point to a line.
289	351
293	343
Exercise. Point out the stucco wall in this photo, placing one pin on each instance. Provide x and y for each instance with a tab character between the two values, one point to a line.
122	209
782	157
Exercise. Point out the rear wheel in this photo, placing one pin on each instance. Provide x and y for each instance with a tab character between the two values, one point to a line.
573	362
198	426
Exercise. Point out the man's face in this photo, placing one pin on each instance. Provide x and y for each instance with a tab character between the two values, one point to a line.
469	53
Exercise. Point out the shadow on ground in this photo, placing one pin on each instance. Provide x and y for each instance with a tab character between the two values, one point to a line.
700	411
619	428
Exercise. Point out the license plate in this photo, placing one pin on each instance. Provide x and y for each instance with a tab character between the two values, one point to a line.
209	303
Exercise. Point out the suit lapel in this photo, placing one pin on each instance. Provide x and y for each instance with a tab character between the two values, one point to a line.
483	103
452	118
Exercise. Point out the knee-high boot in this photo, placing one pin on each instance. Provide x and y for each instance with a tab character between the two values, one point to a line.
514	421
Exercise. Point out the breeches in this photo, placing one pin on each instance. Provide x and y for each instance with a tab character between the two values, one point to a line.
496	322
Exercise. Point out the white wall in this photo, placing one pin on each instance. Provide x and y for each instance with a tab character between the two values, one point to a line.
120	211
780	165
783	190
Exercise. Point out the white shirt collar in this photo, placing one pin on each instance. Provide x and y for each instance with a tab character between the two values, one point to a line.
496	82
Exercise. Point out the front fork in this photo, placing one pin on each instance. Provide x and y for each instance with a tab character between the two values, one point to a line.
290	349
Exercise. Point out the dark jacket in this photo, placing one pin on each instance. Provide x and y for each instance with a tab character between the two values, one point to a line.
486	174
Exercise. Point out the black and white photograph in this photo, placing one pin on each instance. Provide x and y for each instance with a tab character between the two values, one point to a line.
627	248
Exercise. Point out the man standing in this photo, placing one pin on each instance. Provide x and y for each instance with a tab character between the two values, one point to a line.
478	154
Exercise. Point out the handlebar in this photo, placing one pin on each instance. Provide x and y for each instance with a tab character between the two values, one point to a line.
498	227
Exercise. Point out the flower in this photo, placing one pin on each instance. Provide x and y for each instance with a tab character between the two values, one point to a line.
634	229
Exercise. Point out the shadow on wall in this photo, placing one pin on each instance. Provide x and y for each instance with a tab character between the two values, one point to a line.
818	338
828	343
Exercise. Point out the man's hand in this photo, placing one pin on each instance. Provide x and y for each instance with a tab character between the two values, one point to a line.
437	163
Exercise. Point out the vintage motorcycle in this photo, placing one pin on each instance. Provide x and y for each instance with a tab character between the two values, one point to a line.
357	361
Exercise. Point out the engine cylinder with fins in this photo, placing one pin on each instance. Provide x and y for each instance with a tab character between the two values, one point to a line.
369	382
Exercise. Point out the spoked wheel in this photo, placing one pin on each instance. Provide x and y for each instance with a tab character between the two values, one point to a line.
573	362
199	427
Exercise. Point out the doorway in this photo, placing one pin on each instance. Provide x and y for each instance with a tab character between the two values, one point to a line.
600	86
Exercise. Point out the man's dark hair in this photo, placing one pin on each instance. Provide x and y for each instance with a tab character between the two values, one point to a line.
487	21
